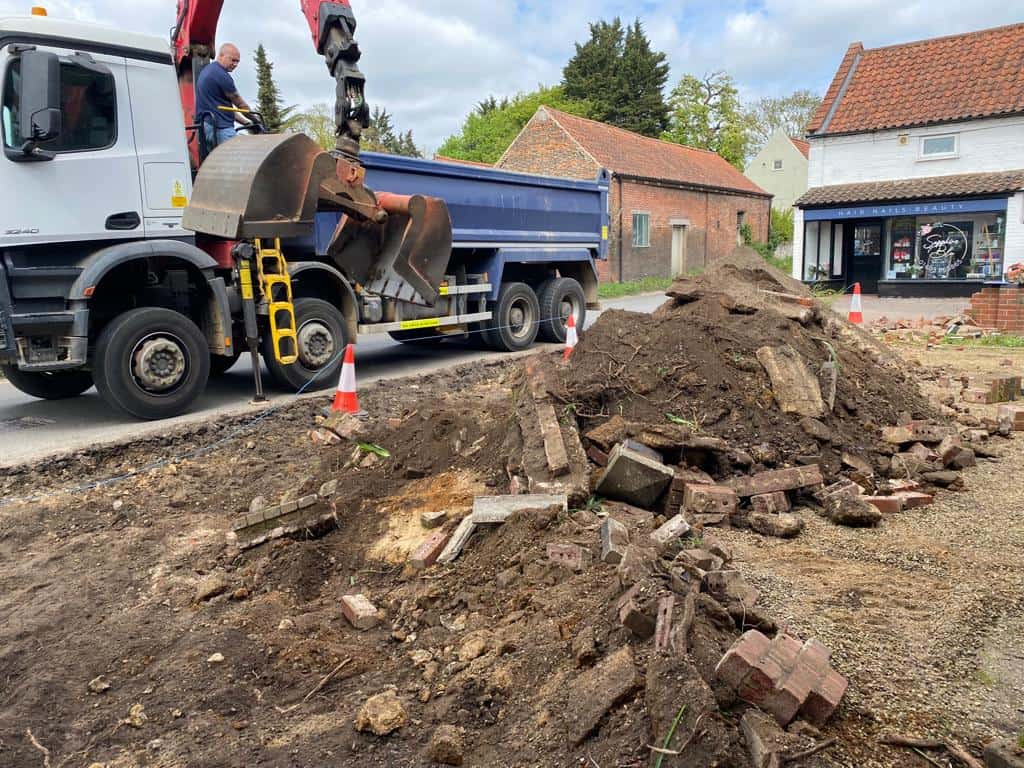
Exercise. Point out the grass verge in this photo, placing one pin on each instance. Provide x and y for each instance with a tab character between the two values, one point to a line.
1004	341
633	287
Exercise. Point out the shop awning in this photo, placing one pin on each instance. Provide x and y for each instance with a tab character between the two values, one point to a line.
916	191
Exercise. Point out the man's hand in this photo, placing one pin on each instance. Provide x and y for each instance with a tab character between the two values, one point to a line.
240	103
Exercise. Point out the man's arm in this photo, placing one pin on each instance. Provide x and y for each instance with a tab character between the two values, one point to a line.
236	99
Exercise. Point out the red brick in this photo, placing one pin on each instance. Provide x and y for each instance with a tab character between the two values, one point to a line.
771	503
978	396
597	456
889	505
824	698
740	659
673	529
427	552
359	611
914	499
637	621
569	556
663	625
710	499
777	480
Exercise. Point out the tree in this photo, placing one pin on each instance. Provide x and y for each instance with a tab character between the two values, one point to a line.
790	113
317	122
268	99
488	132
706	113
621	77
381	136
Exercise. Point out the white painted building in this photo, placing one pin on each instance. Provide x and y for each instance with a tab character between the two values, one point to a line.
781	169
916	168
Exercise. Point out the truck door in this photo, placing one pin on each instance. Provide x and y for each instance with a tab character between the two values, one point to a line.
90	189
161	148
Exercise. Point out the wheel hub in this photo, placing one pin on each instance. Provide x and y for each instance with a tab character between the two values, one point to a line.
159	364
316	344
564	310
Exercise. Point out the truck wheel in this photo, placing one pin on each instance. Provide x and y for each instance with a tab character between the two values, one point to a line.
51	385
516	314
151	363
322	337
558	298
221	364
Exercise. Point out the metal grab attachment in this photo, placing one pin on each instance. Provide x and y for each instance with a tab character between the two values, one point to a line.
277	290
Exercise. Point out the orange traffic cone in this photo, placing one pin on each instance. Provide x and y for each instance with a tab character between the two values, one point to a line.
571	339
345	398
856	310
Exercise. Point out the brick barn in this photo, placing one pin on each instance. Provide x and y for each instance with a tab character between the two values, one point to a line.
673	208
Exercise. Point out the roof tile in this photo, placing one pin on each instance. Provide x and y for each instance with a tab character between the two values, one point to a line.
925	188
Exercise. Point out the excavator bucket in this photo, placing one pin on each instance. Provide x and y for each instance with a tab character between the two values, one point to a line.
259	186
268	186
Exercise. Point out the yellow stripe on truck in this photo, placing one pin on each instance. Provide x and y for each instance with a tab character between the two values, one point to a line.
245	278
426	322
443	290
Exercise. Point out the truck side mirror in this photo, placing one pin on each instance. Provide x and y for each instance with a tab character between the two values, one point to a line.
39	112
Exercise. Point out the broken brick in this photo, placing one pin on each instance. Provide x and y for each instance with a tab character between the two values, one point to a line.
889	505
614	540
771	503
673	529
633	477
428	552
703	499
914	499
663	624
359	611
777	480
636	620
729	586
914	432
1014	414
569	556
597	456
980	396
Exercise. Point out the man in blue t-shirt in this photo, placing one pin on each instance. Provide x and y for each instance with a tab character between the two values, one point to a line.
215	89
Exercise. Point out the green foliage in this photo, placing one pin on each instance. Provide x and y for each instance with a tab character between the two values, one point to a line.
1002	341
790	113
381	136
384	453
780	230
269	103
621	76
317	122
493	126
633	287
1020	740
706	113
766	250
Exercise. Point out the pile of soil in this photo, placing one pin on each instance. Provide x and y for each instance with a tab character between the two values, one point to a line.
694	362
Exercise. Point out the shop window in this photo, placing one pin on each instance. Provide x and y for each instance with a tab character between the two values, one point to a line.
823	248
776	165
938	147
641	230
88	108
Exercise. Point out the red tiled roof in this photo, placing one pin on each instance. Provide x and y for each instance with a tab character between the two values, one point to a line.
978	74
630	154
925	188
803	146
444	159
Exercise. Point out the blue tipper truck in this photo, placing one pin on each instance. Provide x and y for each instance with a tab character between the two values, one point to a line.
523	252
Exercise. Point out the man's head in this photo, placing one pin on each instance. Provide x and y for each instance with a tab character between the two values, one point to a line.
228	56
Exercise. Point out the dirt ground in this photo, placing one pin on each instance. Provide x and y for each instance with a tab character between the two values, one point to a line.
923	613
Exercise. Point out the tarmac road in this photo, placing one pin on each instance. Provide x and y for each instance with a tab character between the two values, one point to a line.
31	429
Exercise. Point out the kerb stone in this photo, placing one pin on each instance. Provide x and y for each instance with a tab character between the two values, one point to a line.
634	478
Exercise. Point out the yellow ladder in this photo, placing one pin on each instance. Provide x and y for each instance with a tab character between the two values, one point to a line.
277	289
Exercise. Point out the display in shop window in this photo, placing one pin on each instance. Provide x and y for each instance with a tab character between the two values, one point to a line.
944	249
902	239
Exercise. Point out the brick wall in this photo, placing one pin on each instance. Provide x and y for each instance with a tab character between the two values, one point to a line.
543	147
999	306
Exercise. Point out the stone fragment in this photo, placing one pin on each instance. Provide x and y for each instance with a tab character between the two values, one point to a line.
210	586
949	448
597	456
817	430
796	389
1004	753
701	499
857	463
99	684
606	435
771	503
551	432
345	425
507	577
497	509
703	559
382	714
1014	414
614	540
766	741
784	525
431	519
584	647
473	648
447	746
636	619
635	445
978	396
637	564
777	480
633	478
923	452
597	690
428	552
1004	388
663	623
359	611
729	586
853	511
670	531
215	658
964	459
946	479
914	432
328	489
570	556
458	540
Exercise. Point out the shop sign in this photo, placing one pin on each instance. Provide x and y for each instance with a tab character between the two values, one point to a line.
923	208
944	248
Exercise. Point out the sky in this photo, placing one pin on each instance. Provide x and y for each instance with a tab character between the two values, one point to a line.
430	63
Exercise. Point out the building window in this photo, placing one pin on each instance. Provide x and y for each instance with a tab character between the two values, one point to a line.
823	248
964	247
938	147
776	165
641	230
87	104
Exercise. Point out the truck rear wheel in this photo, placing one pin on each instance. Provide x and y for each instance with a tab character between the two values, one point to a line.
513	326
322	337
558	298
151	363
49	385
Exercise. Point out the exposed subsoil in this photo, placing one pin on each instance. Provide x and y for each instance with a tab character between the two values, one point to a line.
920	612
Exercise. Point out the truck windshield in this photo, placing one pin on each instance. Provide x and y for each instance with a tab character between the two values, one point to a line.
88	107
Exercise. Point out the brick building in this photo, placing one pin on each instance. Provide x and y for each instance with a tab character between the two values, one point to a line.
672	208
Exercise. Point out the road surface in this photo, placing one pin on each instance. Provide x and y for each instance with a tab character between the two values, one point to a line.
32	429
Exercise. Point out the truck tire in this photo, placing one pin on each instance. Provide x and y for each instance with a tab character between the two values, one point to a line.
51	385
151	363
516	317
221	364
558	297
322	336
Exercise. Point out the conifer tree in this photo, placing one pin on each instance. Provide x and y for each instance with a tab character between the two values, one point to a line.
268	99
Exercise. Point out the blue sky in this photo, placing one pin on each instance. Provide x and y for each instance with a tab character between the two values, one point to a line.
430	62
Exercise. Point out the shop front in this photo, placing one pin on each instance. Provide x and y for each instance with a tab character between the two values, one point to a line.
915	248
